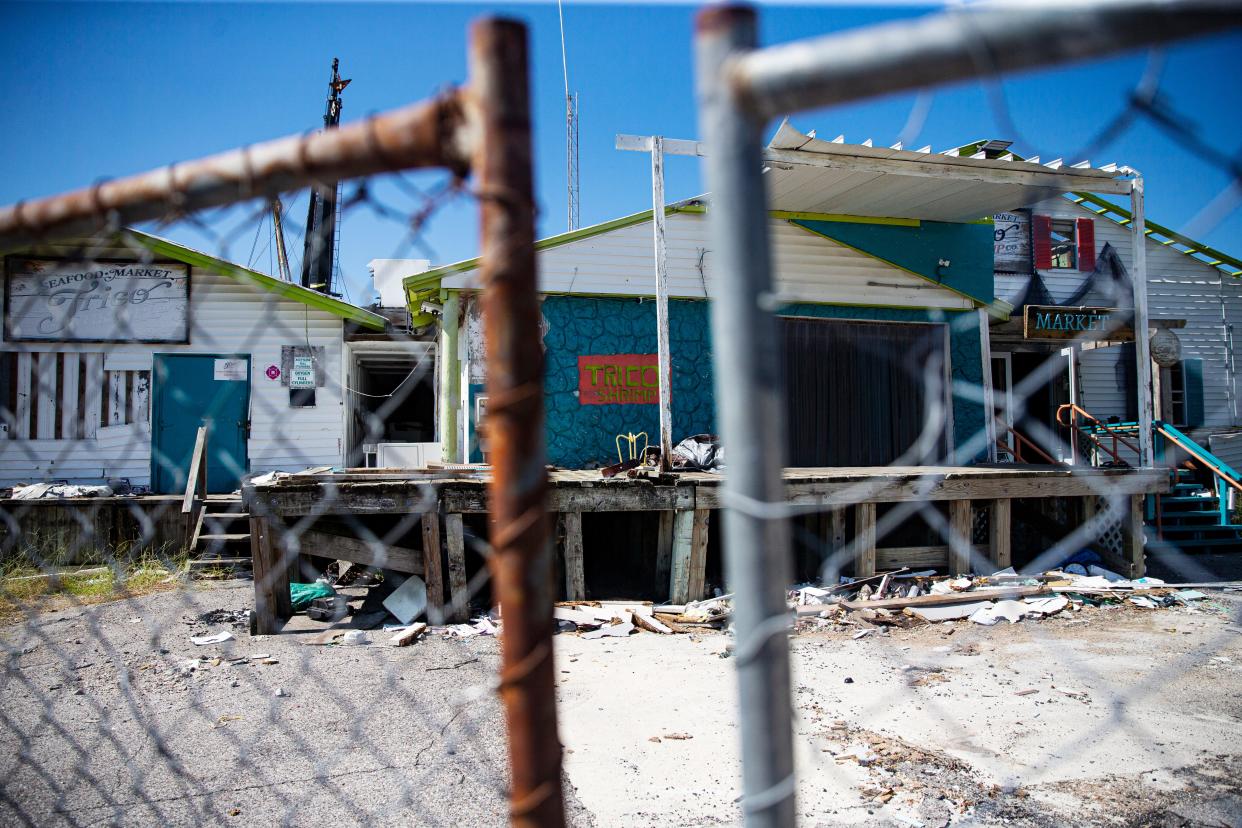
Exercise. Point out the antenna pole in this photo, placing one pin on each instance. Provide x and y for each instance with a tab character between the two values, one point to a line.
571	132
318	246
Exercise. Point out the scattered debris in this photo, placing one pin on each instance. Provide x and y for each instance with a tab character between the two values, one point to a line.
407	635
218	638
238	618
301	595
356	637
329	608
619	630
409	600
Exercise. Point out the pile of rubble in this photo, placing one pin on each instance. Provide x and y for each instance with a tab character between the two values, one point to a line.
601	619
903	598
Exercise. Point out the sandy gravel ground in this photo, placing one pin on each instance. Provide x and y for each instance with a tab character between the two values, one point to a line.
1135	719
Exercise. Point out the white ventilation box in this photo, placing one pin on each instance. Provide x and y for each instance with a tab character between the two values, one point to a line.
387	275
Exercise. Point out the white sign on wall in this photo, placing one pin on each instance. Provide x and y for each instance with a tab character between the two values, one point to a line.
303	373
61	300
231	370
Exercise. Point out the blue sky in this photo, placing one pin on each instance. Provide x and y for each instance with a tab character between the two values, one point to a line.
107	89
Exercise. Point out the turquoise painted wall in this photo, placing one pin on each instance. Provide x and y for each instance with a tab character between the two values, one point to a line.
967	247
584	435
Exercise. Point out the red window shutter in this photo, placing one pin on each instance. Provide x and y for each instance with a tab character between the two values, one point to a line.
1041	241
1086	244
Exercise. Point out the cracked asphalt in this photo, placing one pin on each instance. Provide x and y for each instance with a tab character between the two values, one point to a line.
111	716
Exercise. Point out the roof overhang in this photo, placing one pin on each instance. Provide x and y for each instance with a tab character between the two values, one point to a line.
805	173
244	275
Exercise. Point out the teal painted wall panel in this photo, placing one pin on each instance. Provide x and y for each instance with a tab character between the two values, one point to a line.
584	435
581	436
968	247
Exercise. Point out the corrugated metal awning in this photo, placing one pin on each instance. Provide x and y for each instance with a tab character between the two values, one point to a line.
806	174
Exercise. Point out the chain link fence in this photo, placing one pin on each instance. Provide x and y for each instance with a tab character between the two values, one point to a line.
175	414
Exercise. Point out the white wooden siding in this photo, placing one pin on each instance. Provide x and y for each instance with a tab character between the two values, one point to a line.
226	318
808	268
1100	380
1178	287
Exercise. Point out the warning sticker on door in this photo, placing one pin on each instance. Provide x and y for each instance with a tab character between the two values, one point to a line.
230	370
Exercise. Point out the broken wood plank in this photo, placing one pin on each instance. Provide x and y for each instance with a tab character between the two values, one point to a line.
575	575
406	637
432	573
456	548
651	624
952	598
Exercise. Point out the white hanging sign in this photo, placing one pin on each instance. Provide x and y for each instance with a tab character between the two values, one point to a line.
65	300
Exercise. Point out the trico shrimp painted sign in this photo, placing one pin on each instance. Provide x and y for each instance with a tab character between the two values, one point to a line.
55	300
618	379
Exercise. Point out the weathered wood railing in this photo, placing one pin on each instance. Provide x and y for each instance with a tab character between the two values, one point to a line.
195	489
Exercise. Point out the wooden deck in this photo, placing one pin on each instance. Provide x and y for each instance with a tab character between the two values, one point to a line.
684	502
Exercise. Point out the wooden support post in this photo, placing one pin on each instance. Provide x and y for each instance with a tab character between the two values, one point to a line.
1000	533
837	538
575	573
455	541
1142	348
959	537
432	572
664	550
864	540
1132	538
272	602
664	356
687	581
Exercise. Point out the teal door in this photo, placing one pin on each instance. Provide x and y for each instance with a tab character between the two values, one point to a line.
192	390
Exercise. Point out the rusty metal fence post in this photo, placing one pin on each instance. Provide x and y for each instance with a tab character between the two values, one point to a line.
521	556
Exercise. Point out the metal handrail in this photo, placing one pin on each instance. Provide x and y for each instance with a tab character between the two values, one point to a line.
1019	441
1224	472
1074	411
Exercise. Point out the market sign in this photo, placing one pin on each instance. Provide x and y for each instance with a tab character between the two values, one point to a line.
63	300
1087	324
619	379
1011	242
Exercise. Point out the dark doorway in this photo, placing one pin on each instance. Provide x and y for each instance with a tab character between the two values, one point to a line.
859	393
1044	377
393	399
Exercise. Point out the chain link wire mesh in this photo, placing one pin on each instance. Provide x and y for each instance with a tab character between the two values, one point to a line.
1030	402
112	714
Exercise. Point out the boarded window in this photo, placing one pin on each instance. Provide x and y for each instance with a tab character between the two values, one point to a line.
68	396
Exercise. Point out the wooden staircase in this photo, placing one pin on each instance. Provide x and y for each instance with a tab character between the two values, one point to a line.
217	527
1194	516
1191	519
221	537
